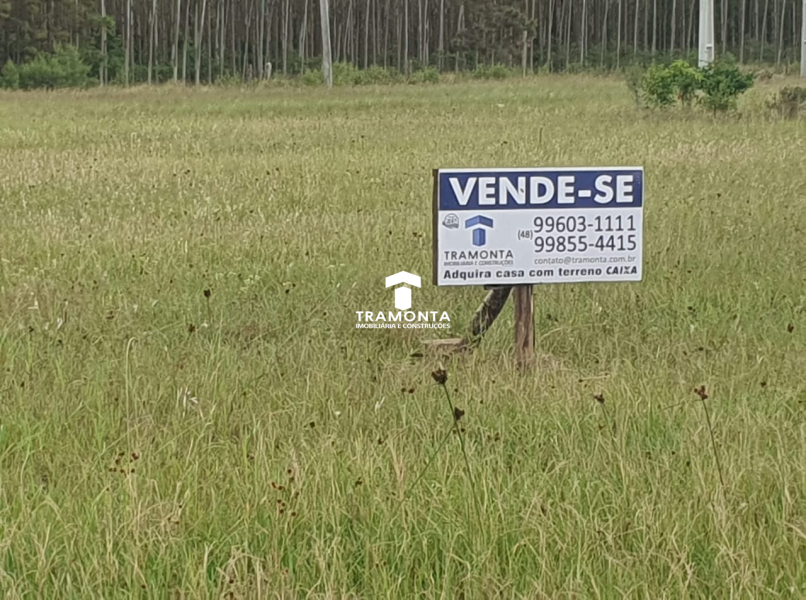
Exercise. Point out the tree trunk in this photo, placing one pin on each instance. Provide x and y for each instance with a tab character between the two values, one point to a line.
741	41
525	47
583	32
222	28
152	22
245	58
127	55
532	41
366	34
398	40
267	42
349	35
103	44
420	31
286	19
386	36
618	38
198	40
233	49
261	33
568	34
803	42
604	32
175	51
460	25
426	29
303	37
674	25
781	34
209	51
763	30
441	32
724	26
327	63
690	31
654	26
549	35
406	38
646	24
186	41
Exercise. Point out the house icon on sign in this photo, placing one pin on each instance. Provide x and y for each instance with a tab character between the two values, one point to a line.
479	234
403	294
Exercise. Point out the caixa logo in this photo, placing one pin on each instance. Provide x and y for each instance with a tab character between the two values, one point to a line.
404	318
476	225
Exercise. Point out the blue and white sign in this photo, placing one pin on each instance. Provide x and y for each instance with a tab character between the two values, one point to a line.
532	226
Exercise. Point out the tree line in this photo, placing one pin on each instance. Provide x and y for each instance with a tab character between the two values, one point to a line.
202	41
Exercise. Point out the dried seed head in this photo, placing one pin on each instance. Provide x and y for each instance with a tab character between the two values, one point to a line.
440	376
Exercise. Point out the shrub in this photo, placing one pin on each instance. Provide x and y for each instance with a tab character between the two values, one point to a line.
722	83
344	74
375	75
492	72
788	102
312	77
426	75
10	76
228	80
686	81
63	68
658	86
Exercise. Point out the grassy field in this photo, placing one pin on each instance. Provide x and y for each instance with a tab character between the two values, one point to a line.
187	408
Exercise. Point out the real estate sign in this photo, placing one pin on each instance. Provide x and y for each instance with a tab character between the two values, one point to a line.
533	226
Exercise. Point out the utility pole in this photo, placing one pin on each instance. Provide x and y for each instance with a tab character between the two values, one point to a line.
327	61
706	50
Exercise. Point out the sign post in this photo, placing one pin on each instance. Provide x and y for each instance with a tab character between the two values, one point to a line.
524	325
511	229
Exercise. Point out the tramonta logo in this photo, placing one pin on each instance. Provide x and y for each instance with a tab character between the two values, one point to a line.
404	318
402	293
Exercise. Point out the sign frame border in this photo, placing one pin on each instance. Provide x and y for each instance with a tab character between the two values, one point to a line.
435	201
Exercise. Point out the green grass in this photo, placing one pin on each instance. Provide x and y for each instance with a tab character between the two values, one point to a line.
291	472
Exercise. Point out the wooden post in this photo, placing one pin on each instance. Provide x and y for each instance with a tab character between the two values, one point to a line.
524	325
487	313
